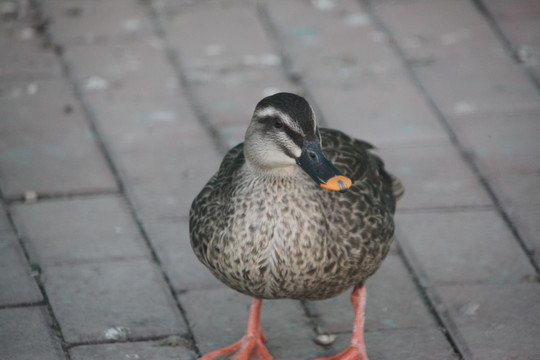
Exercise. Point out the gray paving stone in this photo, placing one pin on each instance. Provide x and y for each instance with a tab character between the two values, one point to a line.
504	146
147	124
214	313
55	155
219	316
82	22
25	59
171	9
24	54
393	302
79	230
228	77
135	96
117	72
357	82
26	333
434	176
96	302
385	112
172	244
5	226
18	286
216	45
502	143
496	321
164	182
230	98
337	42
390	344
455	54
403	344
521	200
132	350
517	189
526	220
519	23
464	247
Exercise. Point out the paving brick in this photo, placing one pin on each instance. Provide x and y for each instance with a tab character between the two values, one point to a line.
338	42
96	302
134	95
172	244
81	22
230	97
519	22
502	142
5	226
164	182
390	344
219	316
27	61
523	10
289	336
171	9
385	112
526	220
434	176
238	94
148	124
216	45
496	321
116	72
516	189
393	302
55	155
464	247
79	230
357	82
402	344
18	286
455	54
24	55
132	350
26	333
504	146
227	77
521	200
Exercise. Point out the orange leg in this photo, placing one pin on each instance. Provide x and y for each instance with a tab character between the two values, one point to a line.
251	346
357	348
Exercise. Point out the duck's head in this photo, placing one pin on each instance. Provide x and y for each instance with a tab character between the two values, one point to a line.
283	134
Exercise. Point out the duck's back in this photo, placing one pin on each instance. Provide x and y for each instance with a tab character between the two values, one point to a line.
290	238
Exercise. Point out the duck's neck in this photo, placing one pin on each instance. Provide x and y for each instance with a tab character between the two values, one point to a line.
288	171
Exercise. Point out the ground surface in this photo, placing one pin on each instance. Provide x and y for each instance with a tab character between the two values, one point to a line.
113	114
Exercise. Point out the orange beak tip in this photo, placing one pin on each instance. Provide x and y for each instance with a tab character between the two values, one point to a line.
338	183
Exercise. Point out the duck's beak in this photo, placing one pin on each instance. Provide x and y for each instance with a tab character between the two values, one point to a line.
315	164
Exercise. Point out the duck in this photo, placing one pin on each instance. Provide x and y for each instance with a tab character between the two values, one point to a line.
296	211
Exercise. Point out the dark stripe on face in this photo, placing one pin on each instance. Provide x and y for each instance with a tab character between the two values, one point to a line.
286	150
297	138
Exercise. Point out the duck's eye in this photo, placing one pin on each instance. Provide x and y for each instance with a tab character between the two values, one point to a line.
278	124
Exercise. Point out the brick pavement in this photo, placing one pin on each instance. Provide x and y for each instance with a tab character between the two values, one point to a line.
114	114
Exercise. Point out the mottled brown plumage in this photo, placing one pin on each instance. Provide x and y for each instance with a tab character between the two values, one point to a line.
268	230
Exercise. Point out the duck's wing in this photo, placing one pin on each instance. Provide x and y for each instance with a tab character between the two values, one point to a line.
355	159
232	161
209	207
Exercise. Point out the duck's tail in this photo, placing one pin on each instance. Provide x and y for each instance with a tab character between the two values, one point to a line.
397	188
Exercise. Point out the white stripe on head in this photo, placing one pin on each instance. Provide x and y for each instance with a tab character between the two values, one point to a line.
271	111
